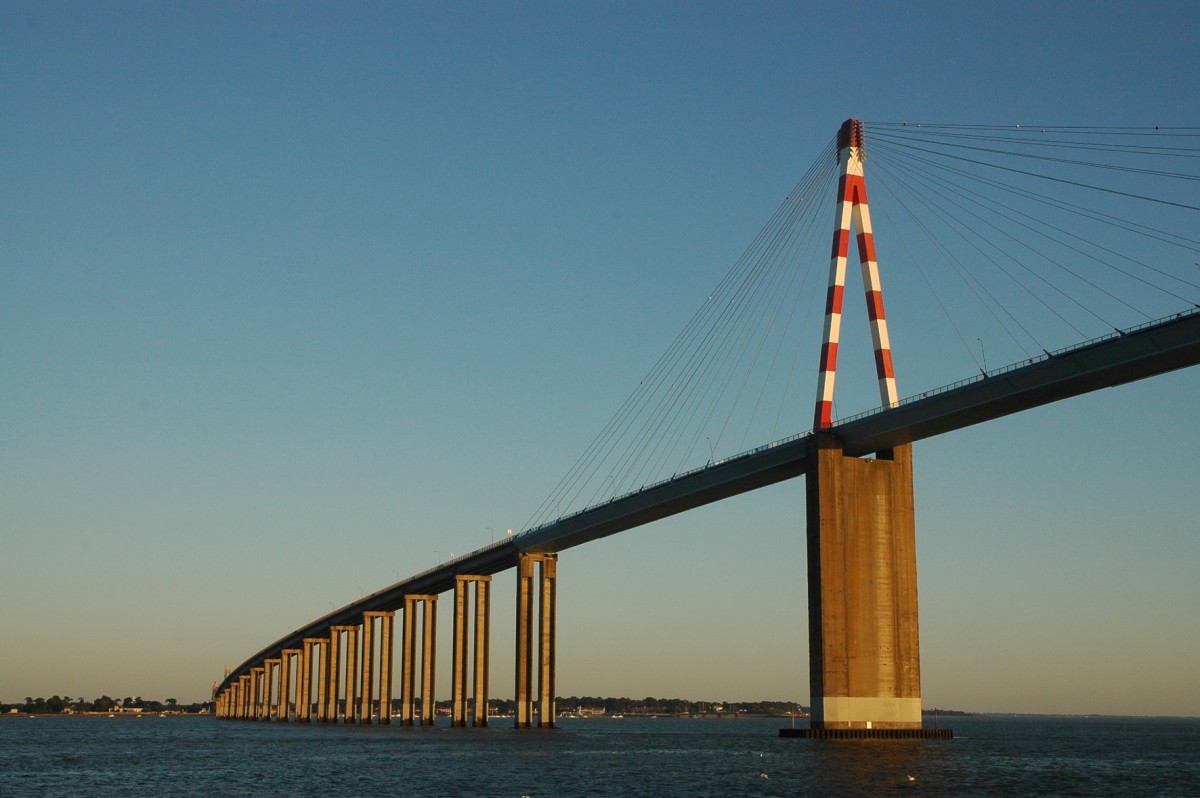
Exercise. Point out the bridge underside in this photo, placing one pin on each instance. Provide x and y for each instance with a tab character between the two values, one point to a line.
864	658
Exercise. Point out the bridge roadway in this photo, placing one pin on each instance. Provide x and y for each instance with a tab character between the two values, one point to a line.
1145	351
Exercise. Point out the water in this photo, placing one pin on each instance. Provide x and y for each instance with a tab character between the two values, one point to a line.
200	756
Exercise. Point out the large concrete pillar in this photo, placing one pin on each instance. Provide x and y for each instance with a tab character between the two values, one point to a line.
332	673
244	696
864	662
372	666
366	688
387	622
462	589
351	699
308	659
427	605
547	601
546	597
428	651
483	652
289	657
256	692
272	669
458	673
408	653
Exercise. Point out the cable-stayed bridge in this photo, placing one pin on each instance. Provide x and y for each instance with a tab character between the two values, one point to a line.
973	211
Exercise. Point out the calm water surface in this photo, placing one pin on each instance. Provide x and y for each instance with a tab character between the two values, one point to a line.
201	756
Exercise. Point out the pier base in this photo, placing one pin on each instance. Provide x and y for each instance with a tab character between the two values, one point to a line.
868	734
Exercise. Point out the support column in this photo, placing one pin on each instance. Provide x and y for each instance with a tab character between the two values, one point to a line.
244	696
368	660
864	660
321	652
272	667
307	659
546	649
351	699
289	656
429	628
548	565
462	590
408	653
483	654
332	673
523	690
256	683
427	604
321	655
458	674
387	622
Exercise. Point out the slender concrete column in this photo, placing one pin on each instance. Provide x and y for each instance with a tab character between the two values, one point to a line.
351	700
321	651
307	660
483	623
272	666
408	652
546	650
367	688
864	659
408	675
244	696
524	664
288	657
303	671
332	665
462	587
428	651
321	654
546	595
256	692
387	623
458	674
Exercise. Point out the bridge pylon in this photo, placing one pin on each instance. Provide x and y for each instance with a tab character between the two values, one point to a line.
864	659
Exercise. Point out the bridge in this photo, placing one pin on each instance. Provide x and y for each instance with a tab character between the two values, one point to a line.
863	640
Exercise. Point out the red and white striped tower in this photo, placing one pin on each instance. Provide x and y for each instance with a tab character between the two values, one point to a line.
852	205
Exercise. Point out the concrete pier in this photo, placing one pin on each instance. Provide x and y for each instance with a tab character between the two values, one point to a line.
289	657
462	587
376	662
426	605
546	589
864	659
272	673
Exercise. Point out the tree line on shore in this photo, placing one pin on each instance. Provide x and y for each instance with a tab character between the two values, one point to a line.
60	705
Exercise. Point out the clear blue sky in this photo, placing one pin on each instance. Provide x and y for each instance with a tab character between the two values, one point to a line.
297	299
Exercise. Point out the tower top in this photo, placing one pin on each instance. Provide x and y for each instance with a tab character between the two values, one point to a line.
850	135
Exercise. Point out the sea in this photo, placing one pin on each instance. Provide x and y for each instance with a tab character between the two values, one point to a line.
631	756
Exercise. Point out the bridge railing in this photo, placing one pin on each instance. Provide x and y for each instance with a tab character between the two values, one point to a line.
983	375
1020	364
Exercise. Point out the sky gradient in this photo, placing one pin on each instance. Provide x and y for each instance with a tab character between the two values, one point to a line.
297	300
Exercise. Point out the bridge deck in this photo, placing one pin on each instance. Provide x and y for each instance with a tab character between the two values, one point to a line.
1152	349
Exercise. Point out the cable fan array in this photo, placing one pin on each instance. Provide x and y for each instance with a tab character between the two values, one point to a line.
1028	238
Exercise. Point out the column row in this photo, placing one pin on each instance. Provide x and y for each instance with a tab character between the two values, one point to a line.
347	676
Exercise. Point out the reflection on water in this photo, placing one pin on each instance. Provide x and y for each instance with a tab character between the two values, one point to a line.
64	756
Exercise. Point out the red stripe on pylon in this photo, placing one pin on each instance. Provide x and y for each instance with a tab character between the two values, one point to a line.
854	189
841	243
883	363
866	247
833	300
828	356
875	305
824	417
